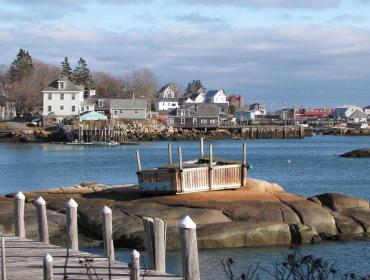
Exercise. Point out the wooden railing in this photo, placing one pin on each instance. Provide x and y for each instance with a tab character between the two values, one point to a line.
195	179
225	176
158	180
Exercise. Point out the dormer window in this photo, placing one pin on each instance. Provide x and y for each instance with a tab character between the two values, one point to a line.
61	85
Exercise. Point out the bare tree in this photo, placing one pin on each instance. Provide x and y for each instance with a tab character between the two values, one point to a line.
109	86
141	84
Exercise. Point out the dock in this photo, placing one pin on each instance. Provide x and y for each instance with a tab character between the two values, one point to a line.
24	260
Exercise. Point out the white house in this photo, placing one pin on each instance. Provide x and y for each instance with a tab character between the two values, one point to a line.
166	99
258	109
216	96
367	111
345	111
63	98
358	116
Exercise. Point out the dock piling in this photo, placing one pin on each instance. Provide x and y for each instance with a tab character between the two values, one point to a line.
19	227
210	172
169	153
3	259
72	225
108	233
48	267
189	249
138	161
244	165
201	147
135	265
42	220
180	158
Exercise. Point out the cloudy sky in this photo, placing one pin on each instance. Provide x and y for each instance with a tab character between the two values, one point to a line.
278	52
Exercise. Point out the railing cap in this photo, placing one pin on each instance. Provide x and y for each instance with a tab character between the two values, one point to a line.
71	203
40	201
135	254
48	258
187	222
20	196
106	210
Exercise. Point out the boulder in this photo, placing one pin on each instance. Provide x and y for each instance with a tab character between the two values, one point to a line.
360	153
340	202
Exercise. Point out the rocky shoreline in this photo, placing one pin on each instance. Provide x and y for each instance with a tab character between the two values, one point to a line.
260	214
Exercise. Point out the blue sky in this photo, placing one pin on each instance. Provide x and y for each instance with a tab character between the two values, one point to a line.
295	52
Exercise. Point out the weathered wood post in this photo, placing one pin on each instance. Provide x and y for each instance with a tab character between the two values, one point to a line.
108	233
181	168
72	225
3	259
155	243
48	267
19	227
201	147
189	249
301	132
244	166
42	220
210	172
180	158
135	265
169	153
138	161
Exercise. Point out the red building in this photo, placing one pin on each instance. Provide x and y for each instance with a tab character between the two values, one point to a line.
236	101
304	114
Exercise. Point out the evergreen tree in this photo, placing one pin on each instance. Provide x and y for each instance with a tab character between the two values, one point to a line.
194	86
81	75
21	67
66	68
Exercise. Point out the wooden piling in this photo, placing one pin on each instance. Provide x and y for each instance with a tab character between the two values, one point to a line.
19	226
3	259
138	161
169	153
135	265
189	249
201	147
244	166
48	268
180	158
210	171
155	243
42	220
108	233
72	225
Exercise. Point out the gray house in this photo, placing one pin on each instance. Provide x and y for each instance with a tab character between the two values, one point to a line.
190	115
122	108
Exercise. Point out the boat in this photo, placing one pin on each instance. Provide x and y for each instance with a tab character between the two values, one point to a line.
102	143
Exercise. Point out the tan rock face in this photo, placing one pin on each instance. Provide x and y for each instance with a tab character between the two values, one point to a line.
259	214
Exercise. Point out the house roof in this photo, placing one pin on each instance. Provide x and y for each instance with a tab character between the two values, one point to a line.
212	93
91	116
199	109
69	86
358	115
165	87
128	103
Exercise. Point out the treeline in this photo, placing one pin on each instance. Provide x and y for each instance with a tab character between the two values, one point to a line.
23	80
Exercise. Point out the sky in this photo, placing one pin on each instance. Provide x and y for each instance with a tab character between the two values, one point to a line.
283	53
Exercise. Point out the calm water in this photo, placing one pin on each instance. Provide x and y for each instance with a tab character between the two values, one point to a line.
310	166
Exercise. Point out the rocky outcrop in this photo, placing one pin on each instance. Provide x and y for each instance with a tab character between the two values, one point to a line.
361	153
259	214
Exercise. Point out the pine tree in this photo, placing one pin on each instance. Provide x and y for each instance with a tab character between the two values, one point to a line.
194	86
21	67
66	68
81	75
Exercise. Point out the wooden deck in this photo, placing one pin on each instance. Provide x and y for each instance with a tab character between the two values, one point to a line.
24	260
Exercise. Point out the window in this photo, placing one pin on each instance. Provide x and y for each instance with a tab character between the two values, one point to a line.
82	109
100	103
49	96
115	112
120	111
61	85
73	108
203	121
61	107
213	121
73	96
87	108
49	108
182	113
136	111
172	121
62	96
195	120
182	120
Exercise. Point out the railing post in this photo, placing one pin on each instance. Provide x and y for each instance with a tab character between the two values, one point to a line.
189	249
42	220
135	265
155	242
181	175
48	267
169	153
201	147
210	172
138	161
19	200
3	259
108	233
180	158
72	225
244	166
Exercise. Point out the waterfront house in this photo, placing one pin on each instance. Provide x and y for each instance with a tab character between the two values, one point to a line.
135	109
166	99
367	111
217	97
203	115
62	98
312	113
236	101
344	112
357	117
245	116
258	109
